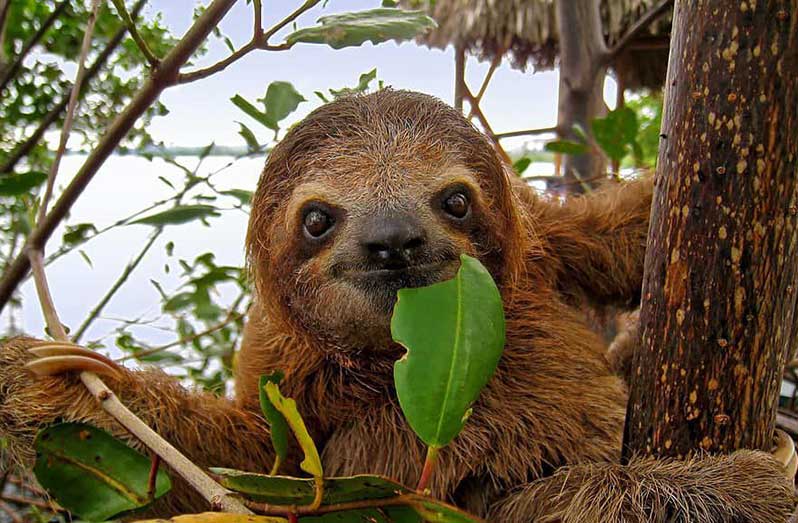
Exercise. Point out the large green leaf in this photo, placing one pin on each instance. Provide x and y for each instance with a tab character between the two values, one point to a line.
178	215
616	132
353	29
277	423
454	335
566	147
14	184
91	474
287	407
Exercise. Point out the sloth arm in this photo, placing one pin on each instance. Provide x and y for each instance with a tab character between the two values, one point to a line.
594	245
743	487
201	425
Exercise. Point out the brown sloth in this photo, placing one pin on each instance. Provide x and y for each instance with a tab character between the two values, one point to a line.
373	193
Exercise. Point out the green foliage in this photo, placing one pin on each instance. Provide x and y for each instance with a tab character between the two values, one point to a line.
287	407
648	108
178	215
616	133
566	147
281	99
454	335
16	184
278	426
92	474
353	29
520	165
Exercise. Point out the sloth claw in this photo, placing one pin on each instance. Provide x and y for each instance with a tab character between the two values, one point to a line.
54	358
785	453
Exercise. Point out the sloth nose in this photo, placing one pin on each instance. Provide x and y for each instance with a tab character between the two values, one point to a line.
390	241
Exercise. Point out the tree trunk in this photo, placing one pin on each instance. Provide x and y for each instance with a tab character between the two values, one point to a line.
581	88
719	294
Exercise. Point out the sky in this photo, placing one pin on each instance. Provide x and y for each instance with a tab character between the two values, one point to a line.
201	113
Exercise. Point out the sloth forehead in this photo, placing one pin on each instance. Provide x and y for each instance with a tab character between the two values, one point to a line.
381	188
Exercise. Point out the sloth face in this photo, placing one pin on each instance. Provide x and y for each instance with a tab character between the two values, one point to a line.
368	196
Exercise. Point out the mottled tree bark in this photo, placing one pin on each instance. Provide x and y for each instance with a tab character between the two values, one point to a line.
719	315
581	88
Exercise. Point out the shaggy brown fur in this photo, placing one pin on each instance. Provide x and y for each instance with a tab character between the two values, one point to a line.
545	434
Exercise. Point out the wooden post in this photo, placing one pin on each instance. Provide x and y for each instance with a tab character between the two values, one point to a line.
721	274
459	76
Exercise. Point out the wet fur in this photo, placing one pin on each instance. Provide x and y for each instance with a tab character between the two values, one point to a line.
545	436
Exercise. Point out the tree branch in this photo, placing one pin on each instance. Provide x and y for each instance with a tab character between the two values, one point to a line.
70	114
22	150
161	78
527	132
259	40
11	72
642	23
134	33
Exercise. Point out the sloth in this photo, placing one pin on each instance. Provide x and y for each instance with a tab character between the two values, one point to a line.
373	193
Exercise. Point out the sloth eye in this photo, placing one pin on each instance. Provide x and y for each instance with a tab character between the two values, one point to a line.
317	223
457	205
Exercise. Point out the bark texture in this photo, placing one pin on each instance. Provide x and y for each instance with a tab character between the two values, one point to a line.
718	315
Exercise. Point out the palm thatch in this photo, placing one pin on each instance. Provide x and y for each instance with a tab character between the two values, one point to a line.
526	31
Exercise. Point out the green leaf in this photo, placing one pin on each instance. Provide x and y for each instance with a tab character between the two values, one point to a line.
361	87
243	196
14	184
285	490
277	423
249	137
178	215
454	335
281	99
521	164
253	112
91	474
566	147
287	407
78	233
353	29
217	517
615	132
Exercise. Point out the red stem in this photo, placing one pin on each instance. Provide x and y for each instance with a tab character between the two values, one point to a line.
429	466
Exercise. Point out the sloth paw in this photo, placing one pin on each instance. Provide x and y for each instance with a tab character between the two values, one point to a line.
55	357
785	454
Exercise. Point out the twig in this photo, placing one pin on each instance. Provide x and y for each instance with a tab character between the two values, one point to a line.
161	78
527	132
497	60
23	149
134	33
642	23
257	22
484	121
73	103
259	40
153	479
22	500
10	73
11	513
129	268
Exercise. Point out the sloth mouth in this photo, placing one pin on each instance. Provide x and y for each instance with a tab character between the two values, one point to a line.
381	285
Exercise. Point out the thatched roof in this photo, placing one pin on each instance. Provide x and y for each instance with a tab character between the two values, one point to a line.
526	31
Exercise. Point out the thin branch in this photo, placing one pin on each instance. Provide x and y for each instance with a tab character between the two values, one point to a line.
71	107
259	40
642	23
527	132
497	60
257	23
484	121
11	513
161	78
22	150
11	72
129	268
22	500
134	33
